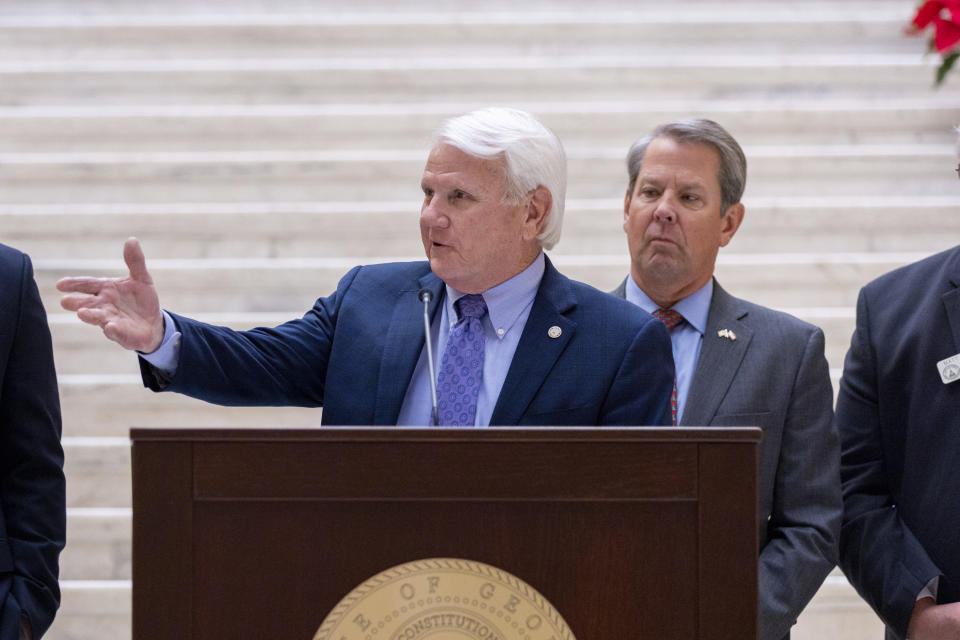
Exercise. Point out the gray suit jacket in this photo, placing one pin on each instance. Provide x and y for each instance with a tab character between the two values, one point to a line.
775	376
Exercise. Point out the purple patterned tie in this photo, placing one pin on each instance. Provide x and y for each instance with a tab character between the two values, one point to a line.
461	368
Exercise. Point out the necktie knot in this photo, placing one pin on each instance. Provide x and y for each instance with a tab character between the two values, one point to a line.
668	317
470	306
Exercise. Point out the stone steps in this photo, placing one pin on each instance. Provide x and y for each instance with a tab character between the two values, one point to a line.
108	405
93	609
97	471
383	228
837	611
839	170
425	35
99	544
762	11
422	29
501	80
359	126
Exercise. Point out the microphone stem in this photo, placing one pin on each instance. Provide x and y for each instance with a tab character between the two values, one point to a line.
433	375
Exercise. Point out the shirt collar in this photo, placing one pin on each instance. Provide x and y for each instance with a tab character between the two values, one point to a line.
506	301
694	308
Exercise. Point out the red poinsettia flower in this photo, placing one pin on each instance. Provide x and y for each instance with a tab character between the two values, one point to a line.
944	15
947	34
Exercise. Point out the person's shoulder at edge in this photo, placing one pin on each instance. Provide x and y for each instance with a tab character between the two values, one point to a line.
759	317
934	263
607	303
15	266
9	254
392	270
373	281
617	319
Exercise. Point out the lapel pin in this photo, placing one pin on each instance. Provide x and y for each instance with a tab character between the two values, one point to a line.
949	369
554	331
726	333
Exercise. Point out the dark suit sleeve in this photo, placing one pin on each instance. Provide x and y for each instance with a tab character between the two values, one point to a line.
279	366
640	393
878	552
31	463
804	522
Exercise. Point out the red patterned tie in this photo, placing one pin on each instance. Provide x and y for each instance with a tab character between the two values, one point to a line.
672	319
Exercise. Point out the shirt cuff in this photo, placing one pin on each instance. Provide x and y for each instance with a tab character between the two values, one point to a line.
930	591
167	355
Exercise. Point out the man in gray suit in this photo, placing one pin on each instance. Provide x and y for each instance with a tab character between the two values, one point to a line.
737	363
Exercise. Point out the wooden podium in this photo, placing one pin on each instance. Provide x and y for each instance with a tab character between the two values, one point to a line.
629	533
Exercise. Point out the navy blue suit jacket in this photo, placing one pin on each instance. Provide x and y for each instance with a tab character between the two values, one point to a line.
32	494
355	351
900	430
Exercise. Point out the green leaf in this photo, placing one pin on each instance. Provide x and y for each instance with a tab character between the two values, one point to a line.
948	62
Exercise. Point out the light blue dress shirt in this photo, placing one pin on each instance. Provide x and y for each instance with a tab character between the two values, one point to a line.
686	338
167	355
508	307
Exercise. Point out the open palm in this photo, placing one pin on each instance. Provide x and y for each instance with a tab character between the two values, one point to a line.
127	309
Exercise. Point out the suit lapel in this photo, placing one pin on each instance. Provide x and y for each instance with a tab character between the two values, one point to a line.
536	352
719	360
951	302
402	347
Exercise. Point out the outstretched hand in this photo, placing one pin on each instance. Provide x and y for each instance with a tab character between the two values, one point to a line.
127	309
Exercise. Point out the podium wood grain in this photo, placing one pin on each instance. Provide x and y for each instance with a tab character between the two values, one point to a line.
629	533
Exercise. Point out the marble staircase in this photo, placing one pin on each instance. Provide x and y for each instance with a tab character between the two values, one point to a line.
259	150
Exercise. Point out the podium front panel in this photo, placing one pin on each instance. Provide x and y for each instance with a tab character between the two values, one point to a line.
628	533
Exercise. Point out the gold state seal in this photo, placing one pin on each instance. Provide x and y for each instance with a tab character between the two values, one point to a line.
444	599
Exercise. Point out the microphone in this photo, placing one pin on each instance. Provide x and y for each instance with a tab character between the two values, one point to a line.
426	296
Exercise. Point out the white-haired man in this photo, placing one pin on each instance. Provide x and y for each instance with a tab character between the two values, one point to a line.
516	342
898	413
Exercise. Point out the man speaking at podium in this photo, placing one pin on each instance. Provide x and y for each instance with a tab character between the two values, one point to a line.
516	342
